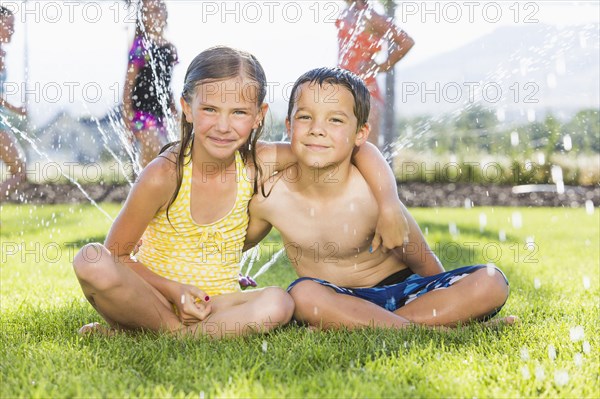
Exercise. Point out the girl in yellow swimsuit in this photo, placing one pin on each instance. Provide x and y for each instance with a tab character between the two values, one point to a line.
189	206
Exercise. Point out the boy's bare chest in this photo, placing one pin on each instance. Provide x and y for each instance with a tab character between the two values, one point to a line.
341	229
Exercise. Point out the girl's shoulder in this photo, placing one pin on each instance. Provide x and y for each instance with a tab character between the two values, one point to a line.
161	173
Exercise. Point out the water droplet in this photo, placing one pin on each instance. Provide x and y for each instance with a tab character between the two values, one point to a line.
557	178
541	158
530	243
426	230
551	352
539	373
586	347
517	220
561	378
589	207
264	346
576	333
557	173
182	299
502	235
434	312
524	354
578	359
482	221
567	143
315	310
452	228
514	139
537	283
500	115
468	203
525	372
586	283
531	115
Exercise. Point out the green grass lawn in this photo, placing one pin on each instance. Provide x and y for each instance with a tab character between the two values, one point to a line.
551	257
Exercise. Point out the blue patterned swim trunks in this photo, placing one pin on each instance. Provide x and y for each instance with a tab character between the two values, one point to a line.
394	296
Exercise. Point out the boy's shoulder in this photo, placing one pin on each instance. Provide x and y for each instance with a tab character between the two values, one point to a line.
272	195
271	187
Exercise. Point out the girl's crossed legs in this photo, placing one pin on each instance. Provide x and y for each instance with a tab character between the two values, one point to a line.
128	302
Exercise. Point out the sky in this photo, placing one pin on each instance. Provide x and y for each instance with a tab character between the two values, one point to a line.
76	51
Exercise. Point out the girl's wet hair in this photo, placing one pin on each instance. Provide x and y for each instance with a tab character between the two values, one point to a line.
142	8
337	76
5	12
214	65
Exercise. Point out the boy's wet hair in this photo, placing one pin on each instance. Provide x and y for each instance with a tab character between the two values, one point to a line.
337	76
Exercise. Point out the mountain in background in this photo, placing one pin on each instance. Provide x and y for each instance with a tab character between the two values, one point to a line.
525	69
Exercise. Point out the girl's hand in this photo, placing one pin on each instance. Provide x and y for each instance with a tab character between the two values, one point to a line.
191	303
391	231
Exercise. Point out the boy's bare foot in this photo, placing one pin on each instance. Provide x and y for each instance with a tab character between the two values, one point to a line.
502	321
96	328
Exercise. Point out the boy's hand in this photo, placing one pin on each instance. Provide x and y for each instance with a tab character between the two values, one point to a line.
191	303
391	231
136	248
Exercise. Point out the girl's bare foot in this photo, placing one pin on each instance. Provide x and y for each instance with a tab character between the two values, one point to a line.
96	328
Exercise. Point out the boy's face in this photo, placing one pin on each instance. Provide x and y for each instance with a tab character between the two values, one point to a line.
323	127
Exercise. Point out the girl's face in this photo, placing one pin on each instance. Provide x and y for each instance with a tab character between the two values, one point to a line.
7	28
223	114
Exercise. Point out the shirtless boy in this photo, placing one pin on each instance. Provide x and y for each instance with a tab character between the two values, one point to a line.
343	283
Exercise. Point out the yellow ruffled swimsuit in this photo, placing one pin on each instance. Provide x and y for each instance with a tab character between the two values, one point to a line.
206	256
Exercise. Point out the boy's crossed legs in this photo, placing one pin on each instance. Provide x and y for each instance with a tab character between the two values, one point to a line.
457	296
